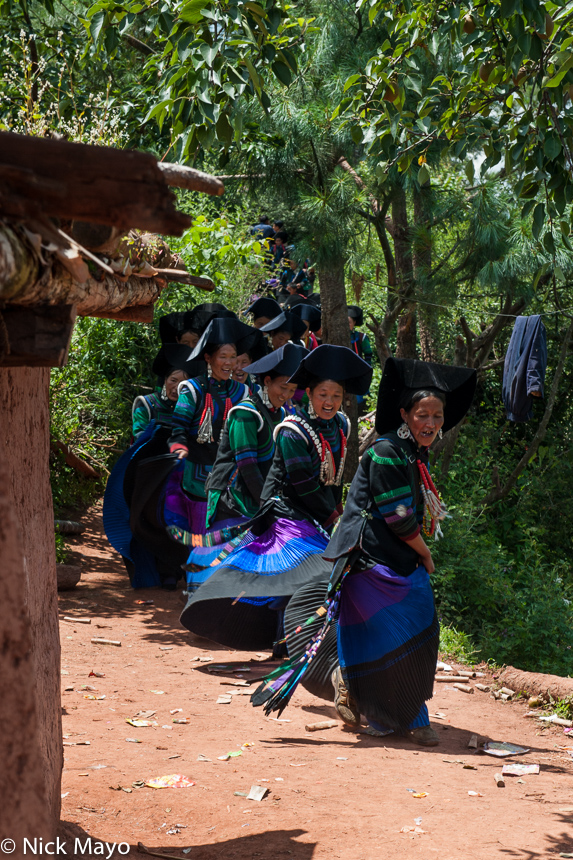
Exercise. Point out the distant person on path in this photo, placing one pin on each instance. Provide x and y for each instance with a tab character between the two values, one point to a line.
263	229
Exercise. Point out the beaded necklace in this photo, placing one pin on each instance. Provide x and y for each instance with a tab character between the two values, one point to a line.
205	433
327	475
434	509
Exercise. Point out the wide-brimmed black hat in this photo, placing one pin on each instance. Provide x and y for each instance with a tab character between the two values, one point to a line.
254	344
309	313
283	361
286	321
265	307
201	315
176	356
338	363
171	326
403	375
356	313
224	330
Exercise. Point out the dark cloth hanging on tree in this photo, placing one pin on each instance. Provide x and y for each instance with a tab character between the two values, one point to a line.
524	368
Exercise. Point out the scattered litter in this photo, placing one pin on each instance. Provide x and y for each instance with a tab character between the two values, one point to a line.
77	620
158	692
417	821
464	688
186	850
234	753
443	667
174	780
473	742
420	794
144	602
91	696
505	691
69	689
127	790
203	758
499	780
439	716
341	758
140	724
139	783
177	755
176	711
483	687
225	757
519	769
203	659
324	724
166	647
257	792
292	764
133	741
501	749
100	641
88	687
144	715
241	793
454	761
475	794
167	727
279	779
567	730
224	700
469	767
65	794
182	722
280	720
534	701
447	678
411	828
558	721
236	683
96	675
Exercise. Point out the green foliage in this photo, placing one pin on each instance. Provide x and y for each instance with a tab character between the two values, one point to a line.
457	645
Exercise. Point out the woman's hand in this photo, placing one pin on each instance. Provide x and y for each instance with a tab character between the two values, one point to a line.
427	561
182	454
180	450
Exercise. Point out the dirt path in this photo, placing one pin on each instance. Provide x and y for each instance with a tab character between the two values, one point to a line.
332	794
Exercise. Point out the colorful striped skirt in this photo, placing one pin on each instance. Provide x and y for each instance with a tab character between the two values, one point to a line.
388	635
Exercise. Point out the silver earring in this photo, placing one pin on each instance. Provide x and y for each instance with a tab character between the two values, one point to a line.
265	398
440	433
311	409
404	431
163	394
209	371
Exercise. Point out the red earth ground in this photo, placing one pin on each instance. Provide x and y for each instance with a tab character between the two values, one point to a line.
337	793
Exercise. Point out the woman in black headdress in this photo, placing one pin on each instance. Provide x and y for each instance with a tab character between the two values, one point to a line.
312	318
264	310
301	501
388	631
186	327
284	327
172	366
201	411
245	455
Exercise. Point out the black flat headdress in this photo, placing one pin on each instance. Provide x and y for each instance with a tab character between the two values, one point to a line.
286	321
224	330
283	361
338	363
356	313
201	315
265	307
176	356
309	313
174	324
406	374
254	344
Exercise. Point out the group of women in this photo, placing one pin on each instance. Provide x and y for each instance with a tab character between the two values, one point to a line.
236	475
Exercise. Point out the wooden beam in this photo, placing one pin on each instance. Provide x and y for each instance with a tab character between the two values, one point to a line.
136	313
179	276
37	336
180	176
41	176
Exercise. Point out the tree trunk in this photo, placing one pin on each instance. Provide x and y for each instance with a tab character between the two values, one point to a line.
422	267
406	339
335	330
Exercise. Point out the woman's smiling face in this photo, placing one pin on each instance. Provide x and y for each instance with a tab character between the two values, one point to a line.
425	419
326	398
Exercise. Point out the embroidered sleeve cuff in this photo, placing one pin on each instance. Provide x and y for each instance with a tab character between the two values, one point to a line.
403	522
175	447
